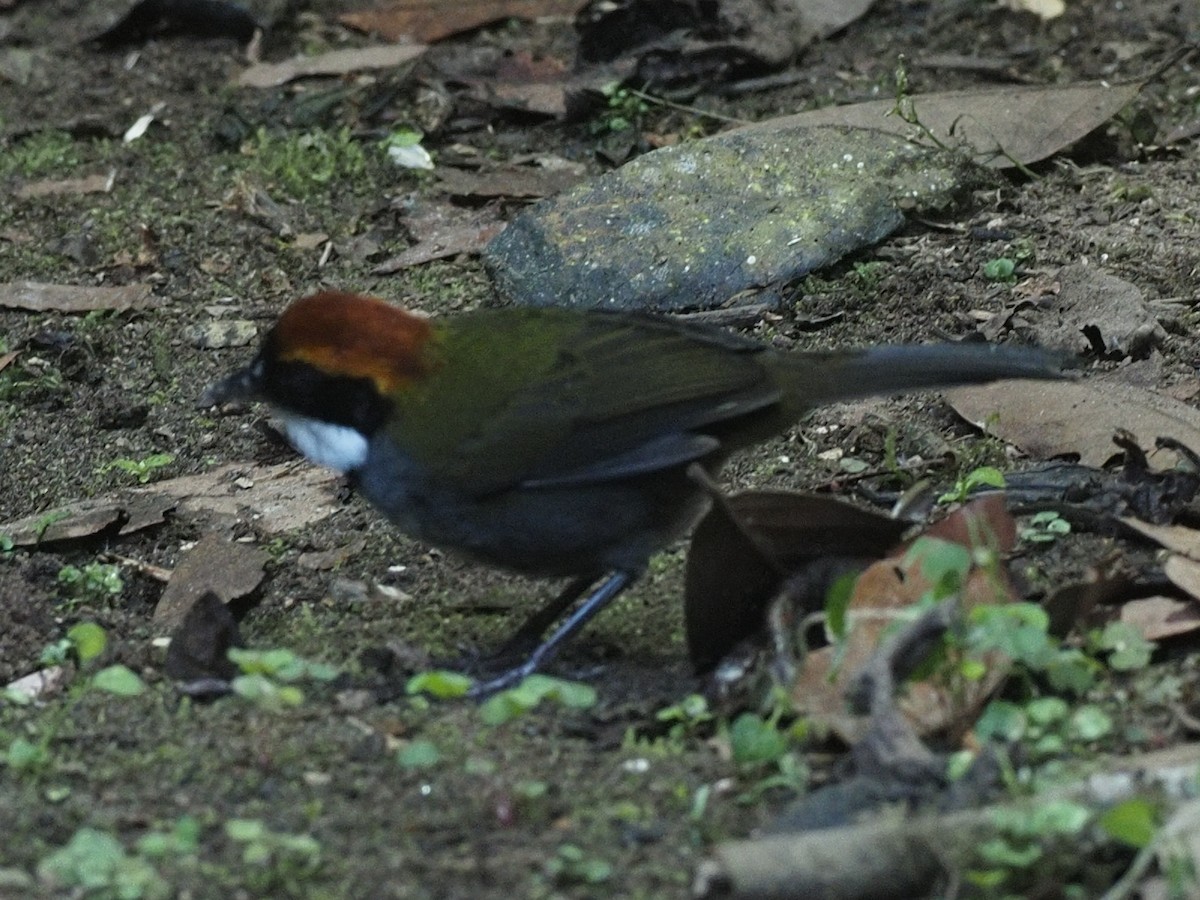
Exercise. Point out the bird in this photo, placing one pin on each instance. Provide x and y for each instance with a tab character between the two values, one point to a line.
556	441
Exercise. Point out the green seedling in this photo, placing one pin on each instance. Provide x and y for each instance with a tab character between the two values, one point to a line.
141	469
92	583
515	702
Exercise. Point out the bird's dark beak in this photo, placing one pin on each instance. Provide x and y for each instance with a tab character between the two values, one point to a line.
244	384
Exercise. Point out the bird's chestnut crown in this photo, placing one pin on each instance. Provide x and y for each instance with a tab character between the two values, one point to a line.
340	357
353	336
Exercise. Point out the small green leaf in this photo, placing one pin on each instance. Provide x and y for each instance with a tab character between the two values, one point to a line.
1001	721
1090	723
24	756
1058	817
1129	651
1047	710
1132	822
755	741
419	755
88	639
508	705
119	680
1001	269
245	830
984	476
837	602
441	683
943	563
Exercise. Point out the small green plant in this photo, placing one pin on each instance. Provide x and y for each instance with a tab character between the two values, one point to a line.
439	683
1024	849
763	752
418	755
516	702
97	865
142	469
93	583
571	865
1046	726
1045	527
303	163
280	862
182	839
25	757
41	153
623	109
1124	646
688	716
1001	268
268	676
1021	631
869	274
980	477
38	378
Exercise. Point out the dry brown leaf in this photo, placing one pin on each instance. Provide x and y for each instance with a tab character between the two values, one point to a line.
1176	538
92	184
886	592
70	298
1027	124
1156	618
336	62
1047	419
525	182
443	230
7	358
428	21
1184	573
273	499
228	569
126	514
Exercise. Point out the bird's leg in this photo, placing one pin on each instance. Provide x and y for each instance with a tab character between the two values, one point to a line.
525	639
592	604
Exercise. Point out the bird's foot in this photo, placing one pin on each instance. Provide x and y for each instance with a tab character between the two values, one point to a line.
509	678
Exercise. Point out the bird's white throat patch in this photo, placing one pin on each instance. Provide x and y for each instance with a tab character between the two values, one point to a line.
336	446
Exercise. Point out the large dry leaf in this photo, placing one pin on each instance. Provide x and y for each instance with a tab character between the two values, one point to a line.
228	569
1048	419
86	518
885	593
442	230
1156	618
273	499
1176	538
92	184
749	544
1184	573
336	62
432	20
1085	309
70	298
1000	125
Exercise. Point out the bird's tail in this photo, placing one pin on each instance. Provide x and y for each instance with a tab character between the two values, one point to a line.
810	379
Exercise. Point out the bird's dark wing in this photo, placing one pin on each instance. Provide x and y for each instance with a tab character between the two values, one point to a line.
553	397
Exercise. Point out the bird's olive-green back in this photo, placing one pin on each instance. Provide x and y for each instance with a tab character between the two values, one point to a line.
536	395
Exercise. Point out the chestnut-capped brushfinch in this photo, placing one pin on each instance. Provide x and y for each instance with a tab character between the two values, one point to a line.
556	442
